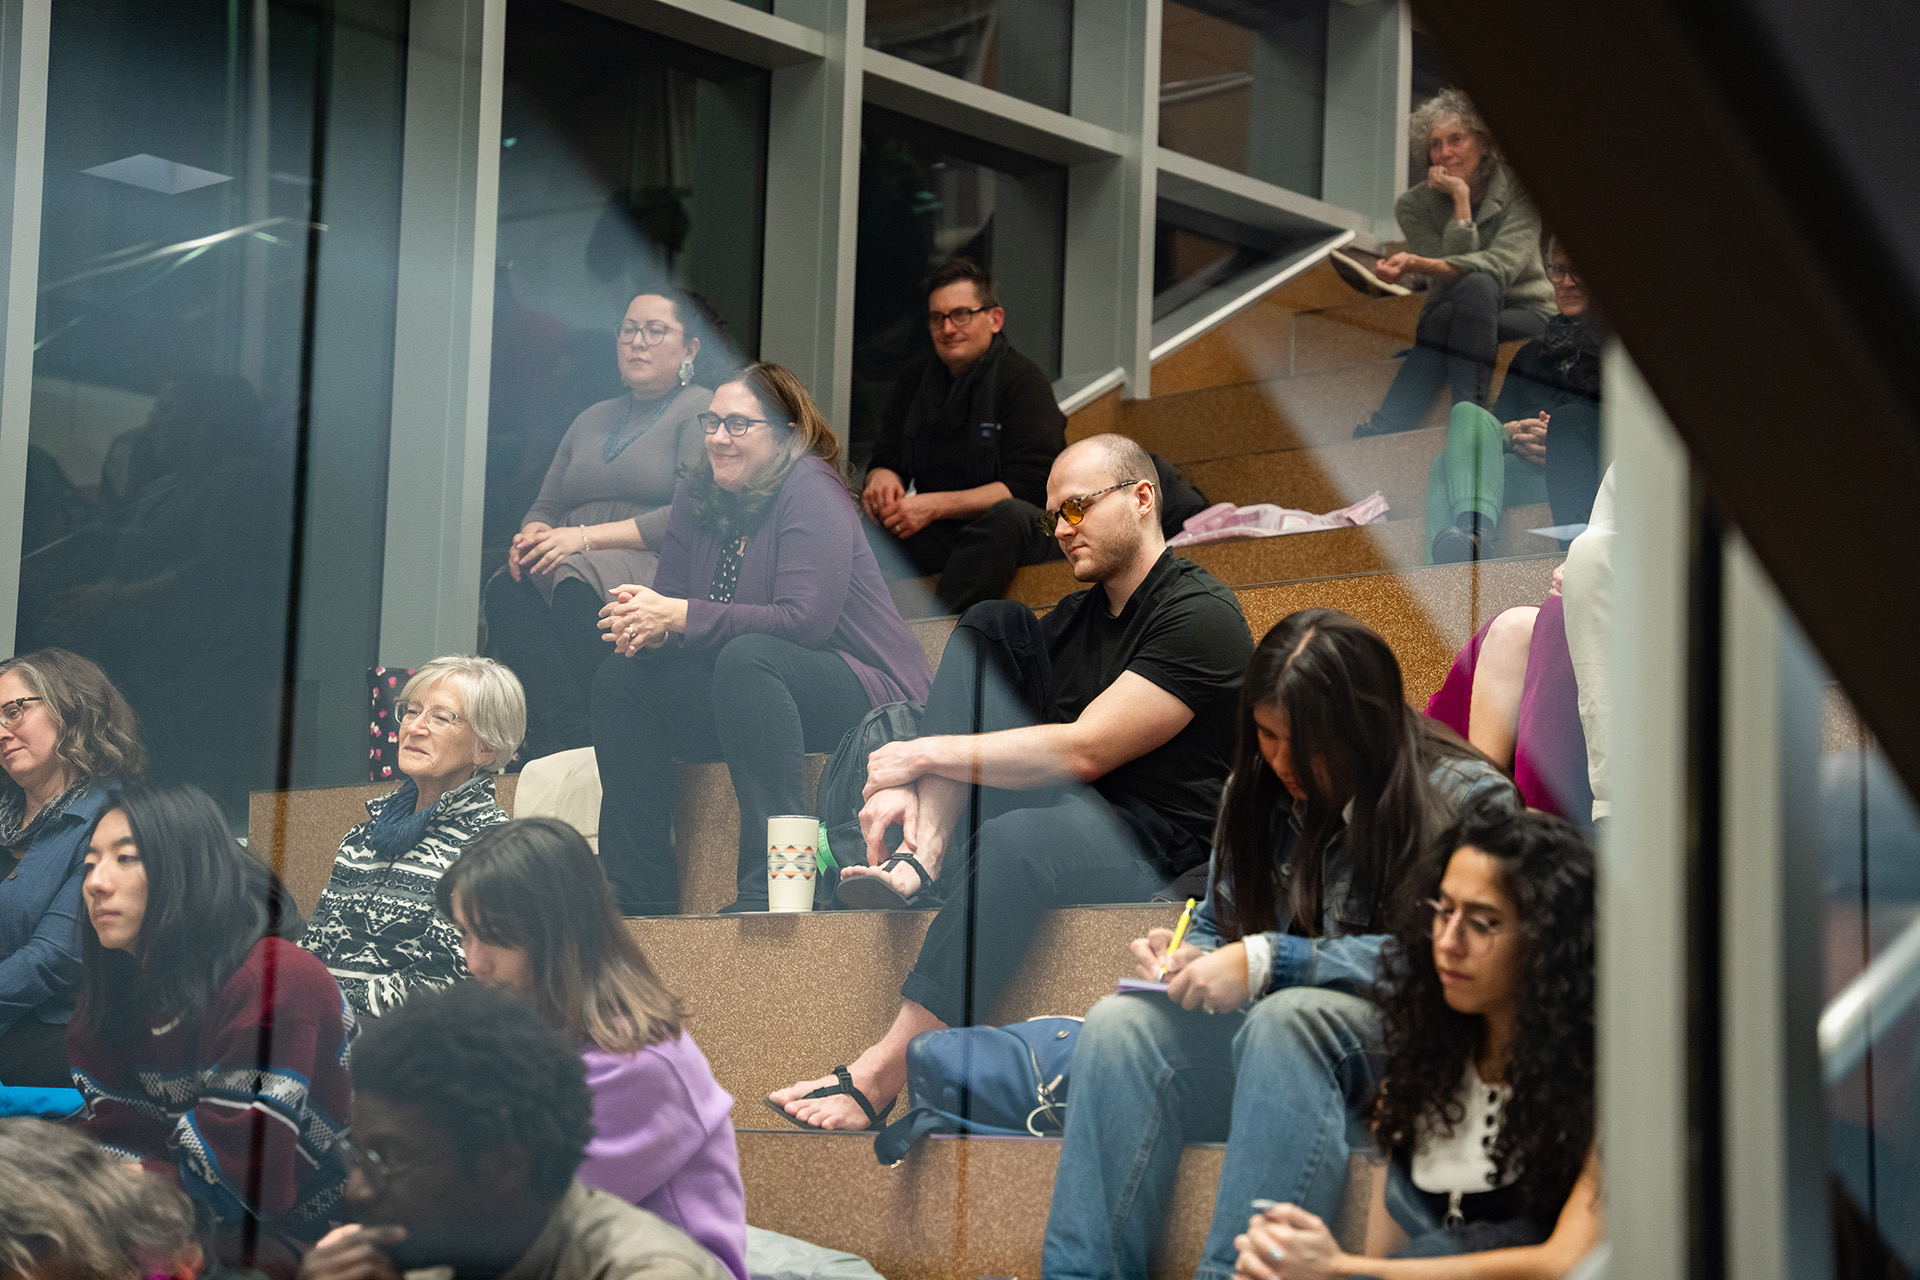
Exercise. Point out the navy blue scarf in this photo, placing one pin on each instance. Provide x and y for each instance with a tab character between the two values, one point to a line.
399	828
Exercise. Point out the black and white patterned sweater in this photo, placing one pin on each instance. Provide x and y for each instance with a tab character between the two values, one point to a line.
376	927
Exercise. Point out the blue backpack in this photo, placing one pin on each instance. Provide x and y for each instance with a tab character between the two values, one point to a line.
997	1082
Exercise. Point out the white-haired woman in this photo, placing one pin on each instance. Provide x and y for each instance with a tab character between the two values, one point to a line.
376	927
1474	237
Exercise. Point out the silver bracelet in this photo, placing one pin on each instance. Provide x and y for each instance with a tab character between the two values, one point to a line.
586	544
1465	224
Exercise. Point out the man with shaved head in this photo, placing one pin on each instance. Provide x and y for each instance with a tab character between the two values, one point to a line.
1089	745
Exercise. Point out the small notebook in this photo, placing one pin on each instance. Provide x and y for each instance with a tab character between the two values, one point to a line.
1140	986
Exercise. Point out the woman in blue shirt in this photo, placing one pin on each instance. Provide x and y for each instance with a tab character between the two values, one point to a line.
64	732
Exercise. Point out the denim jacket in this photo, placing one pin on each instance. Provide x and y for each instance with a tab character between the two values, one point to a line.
1346	955
41	914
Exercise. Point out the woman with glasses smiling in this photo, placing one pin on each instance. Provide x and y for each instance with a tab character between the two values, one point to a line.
601	517
768	633
376	926
66	736
1485	1110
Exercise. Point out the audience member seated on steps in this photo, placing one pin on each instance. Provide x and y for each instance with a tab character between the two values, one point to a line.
974	431
536	917
67	738
1511	693
470	1116
601	517
1099	743
769	634
208	1046
375	925
1474	237
1486	1107
1496	459
1338	789
69	1209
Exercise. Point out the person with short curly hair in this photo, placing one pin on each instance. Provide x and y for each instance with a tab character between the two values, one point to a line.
470	1117
1473	236
1486	1104
66	736
68	1208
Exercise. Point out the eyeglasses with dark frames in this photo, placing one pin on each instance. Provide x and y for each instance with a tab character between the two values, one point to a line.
1074	510
1560	273
651	334
736	424
11	712
959	317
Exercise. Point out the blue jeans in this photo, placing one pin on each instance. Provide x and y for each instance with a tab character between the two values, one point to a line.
1280	1081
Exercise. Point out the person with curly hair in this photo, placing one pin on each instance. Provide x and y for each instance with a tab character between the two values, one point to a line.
536	917
470	1116
1474	237
66	737
1266	1035
69	1208
1485	1109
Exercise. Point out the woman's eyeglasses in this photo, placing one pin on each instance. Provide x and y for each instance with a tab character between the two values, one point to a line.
650	334
438	718
1074	510
1476	932
736	424
11	712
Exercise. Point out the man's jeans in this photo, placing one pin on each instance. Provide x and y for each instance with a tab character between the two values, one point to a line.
1148	1077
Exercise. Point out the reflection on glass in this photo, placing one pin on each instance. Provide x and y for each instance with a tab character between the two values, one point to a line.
1186	262
168	377
1020	47
628	162
1870	1032
1243	86
927	195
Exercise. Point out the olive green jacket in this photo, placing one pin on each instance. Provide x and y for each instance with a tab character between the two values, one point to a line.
1504	242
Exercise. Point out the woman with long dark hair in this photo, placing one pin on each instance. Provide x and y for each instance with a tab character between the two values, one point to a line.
209	1047
1486	1104
768	633
1338	790
67	737
536	916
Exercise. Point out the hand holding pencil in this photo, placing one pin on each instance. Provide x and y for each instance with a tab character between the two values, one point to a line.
1179	936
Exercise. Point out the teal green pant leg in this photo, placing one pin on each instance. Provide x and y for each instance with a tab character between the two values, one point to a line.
1471	472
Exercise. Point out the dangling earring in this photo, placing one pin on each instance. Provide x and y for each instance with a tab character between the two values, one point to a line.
686	371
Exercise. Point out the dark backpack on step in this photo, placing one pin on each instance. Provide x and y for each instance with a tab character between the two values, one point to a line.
841	785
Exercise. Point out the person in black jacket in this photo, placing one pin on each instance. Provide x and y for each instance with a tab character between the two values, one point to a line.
1492	458
974	431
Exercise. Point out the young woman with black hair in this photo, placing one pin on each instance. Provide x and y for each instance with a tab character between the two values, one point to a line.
209	1047
1486	1104
536	916
1338	790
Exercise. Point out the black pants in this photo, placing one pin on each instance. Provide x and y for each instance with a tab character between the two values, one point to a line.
554	650
33	1055
1573	461
1456	342
1032	851
759	703
976	559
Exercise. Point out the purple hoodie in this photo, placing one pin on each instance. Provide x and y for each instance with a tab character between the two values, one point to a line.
663	1139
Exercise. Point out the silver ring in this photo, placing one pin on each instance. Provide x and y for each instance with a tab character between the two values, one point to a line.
1274	1254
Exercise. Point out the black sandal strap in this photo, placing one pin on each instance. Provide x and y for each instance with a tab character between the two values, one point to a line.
926	881
845	1077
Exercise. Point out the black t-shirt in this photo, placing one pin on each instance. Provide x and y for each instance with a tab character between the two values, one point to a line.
1184	632
1033	431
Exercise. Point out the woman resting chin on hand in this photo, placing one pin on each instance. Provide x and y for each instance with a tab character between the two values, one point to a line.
1487	999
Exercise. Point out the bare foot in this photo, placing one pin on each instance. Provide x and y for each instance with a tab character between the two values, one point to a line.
902	877
873	1074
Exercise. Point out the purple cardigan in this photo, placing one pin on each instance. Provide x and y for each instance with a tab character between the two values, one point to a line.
663	1139
808	577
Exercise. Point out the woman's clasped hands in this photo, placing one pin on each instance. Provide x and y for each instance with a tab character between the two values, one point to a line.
1286	1242
640	618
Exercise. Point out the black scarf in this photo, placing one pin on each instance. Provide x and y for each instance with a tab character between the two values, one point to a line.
16	834
944	405
1572	345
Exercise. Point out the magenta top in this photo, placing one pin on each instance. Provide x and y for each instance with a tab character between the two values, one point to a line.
663	1139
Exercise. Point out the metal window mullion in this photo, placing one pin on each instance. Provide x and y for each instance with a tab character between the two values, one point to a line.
25	31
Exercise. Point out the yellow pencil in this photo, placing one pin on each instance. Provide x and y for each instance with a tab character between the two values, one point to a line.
1179	933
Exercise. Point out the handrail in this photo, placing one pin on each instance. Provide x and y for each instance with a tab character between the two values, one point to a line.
1870	1004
